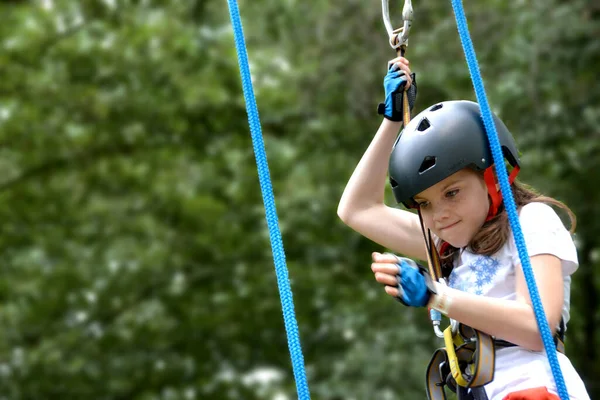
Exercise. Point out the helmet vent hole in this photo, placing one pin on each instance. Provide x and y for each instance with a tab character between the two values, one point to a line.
393	183
423	125
427	164
436	107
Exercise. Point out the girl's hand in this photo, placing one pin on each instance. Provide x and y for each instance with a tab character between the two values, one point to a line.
385	268
396	83
401	63
403	278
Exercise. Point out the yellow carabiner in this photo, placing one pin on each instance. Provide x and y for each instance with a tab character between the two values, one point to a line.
452	359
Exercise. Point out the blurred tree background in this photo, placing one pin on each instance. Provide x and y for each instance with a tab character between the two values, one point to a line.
136	262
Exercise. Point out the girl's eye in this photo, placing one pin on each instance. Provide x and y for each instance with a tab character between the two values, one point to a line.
452	193
423	204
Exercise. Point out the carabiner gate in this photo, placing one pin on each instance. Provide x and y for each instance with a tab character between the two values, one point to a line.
398	37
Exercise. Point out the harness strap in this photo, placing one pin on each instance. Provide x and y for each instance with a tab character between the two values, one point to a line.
560	345
482	357
467	363
433	257
435	377
479	393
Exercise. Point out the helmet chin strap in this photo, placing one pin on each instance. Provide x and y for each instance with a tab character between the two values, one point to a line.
433	256
495	195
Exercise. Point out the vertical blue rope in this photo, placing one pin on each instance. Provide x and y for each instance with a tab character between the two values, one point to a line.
266	187
509	202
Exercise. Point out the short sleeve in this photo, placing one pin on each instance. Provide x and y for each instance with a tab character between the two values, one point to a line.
544	233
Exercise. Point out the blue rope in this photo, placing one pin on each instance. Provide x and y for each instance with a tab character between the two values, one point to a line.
266	187
509	202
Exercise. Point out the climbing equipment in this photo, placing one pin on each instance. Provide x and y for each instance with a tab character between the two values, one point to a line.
466	363
441	140
285	291
465	348
398	39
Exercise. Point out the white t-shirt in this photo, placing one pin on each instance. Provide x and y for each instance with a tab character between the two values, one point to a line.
494	276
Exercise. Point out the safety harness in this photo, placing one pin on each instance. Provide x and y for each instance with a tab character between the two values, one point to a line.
466	362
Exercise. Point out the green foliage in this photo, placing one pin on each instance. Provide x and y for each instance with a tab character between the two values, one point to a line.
136	260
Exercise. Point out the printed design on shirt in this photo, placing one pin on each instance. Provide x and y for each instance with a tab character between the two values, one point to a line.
477	276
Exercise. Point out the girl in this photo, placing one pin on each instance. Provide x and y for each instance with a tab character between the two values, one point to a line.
441	165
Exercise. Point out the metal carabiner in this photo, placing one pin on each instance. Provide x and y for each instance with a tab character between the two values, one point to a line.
436	319
398	37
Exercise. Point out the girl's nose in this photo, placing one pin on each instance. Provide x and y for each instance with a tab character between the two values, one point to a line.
441	214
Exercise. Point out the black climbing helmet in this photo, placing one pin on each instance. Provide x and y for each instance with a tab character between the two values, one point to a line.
442	140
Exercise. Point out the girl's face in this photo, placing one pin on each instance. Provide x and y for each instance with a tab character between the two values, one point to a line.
455	208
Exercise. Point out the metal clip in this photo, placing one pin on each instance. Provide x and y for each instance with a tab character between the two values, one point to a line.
436	319
398	37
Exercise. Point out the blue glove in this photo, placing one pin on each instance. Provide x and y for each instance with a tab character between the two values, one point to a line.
394	83
414	283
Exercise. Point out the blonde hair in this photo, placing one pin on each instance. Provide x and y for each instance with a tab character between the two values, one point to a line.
494	233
